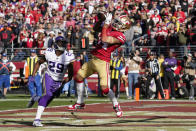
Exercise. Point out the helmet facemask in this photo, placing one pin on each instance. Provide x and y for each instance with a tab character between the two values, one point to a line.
60	44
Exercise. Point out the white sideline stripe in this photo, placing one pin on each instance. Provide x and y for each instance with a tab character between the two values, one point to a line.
53	100
105	99
47	108
97	103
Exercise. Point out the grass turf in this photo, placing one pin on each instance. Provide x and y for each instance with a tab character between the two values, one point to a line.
20	101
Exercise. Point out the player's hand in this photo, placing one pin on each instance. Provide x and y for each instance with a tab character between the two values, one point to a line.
108	18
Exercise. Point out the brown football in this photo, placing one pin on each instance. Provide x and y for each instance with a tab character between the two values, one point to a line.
101	16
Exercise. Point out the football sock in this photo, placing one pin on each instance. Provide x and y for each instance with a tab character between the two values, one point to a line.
112	97
127	91
40	110
80	92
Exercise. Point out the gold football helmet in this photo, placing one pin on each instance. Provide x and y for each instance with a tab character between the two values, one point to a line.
121	23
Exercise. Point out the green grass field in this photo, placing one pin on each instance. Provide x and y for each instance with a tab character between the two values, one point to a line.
145	115
20	101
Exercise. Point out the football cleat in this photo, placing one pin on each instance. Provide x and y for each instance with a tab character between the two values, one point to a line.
37	123
118	111
76	106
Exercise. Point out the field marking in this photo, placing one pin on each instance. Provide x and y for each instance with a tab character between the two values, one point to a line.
102	99
47	108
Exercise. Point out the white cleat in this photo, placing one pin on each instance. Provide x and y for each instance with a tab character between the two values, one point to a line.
37	123
118	111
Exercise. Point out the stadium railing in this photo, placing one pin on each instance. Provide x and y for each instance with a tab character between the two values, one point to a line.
179	51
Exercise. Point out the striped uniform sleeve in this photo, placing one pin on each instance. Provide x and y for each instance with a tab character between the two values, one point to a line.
118	35
69	58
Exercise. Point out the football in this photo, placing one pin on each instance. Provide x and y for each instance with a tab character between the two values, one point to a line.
101	16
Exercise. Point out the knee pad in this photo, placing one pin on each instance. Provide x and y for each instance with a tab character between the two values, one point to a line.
78	81
106	91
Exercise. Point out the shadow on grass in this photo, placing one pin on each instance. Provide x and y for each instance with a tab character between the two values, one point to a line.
108	124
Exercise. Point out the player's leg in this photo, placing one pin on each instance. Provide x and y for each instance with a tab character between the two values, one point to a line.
85	71
45	100
102	68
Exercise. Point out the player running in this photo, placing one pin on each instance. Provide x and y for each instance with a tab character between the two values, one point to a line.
112	37
57	60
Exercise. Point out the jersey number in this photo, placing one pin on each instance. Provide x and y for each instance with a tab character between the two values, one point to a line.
52	65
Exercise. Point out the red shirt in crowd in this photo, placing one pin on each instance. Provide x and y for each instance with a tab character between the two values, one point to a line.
180	15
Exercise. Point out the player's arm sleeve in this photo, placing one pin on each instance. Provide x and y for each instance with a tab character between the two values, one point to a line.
111	37
69	58
48	53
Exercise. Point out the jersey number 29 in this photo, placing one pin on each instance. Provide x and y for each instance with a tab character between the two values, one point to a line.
59	67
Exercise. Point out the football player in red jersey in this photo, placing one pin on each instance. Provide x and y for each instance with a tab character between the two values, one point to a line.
112	37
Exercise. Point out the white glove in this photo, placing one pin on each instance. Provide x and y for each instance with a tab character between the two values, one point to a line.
108	18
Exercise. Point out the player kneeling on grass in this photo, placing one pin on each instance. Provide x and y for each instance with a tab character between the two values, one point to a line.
58	60
112	37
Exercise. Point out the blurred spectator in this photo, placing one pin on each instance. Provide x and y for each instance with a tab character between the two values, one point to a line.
115	67
49	41
161	59
137	30
189	75
34	83
23	36
133	65
6	68
182	39
19	55
70	36
168	64
78	36
180	15
124	76
6	36
129	34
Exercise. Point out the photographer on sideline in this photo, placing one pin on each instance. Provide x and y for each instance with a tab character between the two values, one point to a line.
189	74
133	65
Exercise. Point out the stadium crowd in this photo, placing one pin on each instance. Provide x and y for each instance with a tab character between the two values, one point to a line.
35	23
158	23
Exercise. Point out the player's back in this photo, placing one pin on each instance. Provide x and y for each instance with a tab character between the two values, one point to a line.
57	65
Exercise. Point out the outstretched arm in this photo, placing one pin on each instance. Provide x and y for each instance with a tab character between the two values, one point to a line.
108	39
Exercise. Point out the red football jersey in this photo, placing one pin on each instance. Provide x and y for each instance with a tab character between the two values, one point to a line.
103	50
